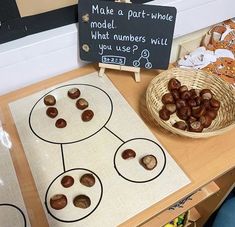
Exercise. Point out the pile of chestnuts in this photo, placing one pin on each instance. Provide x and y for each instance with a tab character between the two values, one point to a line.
195	108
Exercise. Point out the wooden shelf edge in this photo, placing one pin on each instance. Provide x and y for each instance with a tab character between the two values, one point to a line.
182	206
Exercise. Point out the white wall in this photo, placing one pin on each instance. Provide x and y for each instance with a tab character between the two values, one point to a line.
40	56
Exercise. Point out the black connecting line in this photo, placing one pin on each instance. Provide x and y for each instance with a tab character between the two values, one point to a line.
62	156
114	134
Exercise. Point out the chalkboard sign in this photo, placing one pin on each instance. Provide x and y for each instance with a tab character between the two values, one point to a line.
126	34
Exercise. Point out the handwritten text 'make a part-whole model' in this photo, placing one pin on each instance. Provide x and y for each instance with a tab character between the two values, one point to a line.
131	14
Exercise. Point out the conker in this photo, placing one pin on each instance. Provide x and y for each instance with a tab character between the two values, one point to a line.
171	108
180	125
212	114
185	95
198	111
82	104
183	88
194	93
164	114
192	103
67	181
195	126
49	100
173	84
87	180
52	112
215	104
82	201
128	154
206	94
180	103
58	201
149	162
205	121
167	98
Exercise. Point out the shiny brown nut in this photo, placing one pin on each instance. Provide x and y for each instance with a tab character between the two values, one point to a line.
61	123
183	88
180	103
82	201
74	93
173	84
180	125
175	93
212	114
205	121
195	126
184	113
206	94
171	108
192	103
185	95
206	103
194	93
49	100
87	115
149	162
67	181
87	180
215	104
58	201
167	98
82	104
52	112
164	114
198	111
128	154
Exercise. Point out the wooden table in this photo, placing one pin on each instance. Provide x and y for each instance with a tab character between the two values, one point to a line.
209	163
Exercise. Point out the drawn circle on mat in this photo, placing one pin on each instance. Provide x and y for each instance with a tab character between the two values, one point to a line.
131	169
76	130
70	213
10	210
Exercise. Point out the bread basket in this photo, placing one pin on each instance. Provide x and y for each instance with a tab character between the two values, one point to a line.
196	79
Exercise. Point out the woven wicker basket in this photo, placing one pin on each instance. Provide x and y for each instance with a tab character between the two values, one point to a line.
197	79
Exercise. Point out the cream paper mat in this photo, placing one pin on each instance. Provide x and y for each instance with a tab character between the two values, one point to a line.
12	208
123	187
34	7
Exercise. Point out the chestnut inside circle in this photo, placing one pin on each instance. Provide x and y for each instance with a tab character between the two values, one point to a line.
131	169
76	129
70	213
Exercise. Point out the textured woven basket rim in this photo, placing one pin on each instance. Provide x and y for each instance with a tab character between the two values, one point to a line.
164	124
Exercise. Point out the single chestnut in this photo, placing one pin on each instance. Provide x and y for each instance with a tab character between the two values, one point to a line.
171	107
149	162
87	180
164	114
212	114
61	123
215	104
191	119
205	121
52	112
175	93
73	93
206	103
49	100
67	181
180	103
128	154
180	125
58	201
82	104
183	88
87	115
206	94
173	84
184	113
185	95
194	93
195	126
167	98
82	201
